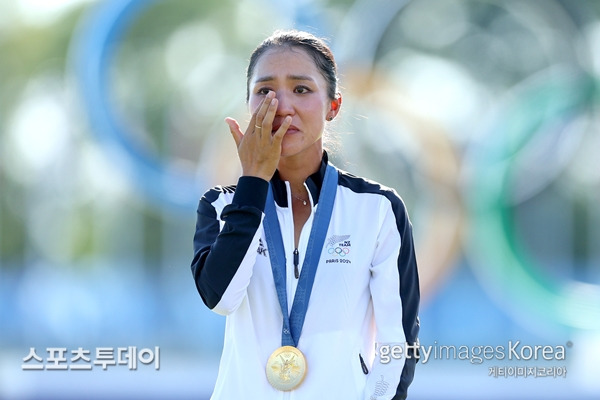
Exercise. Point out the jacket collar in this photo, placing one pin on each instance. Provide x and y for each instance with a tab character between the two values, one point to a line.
313	182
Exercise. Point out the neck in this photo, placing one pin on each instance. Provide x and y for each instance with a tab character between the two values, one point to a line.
296	169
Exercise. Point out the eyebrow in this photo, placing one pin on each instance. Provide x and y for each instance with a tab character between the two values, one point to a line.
289	77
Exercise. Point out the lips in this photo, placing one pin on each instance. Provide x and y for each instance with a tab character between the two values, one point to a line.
291	129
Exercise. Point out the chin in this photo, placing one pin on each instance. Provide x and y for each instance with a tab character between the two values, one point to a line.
288	152
294	145
290	147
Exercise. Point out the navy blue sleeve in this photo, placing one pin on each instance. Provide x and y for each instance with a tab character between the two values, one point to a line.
410	295
219	253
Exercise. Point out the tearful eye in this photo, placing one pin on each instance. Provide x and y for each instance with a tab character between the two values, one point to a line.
263	91
302	90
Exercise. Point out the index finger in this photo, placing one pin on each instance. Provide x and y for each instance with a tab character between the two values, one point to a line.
261	112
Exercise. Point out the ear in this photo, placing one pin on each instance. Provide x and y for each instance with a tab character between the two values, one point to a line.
336	104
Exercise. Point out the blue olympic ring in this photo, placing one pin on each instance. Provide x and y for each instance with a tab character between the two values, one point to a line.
94	51
94	47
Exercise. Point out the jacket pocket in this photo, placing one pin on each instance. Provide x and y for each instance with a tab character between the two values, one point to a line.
360	372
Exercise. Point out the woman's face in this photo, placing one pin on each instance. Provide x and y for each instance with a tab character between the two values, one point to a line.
301	92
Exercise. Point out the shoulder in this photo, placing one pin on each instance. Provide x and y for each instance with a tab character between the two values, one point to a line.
214	193
363	186
215	199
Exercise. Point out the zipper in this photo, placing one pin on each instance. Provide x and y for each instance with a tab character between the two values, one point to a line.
296	262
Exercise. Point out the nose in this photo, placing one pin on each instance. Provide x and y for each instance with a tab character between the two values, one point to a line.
285	104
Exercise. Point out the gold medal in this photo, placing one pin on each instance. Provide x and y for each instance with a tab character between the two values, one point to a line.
286	368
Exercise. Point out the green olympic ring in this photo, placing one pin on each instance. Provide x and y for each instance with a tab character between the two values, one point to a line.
503	265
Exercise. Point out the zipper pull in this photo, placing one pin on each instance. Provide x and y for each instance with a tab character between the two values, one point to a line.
363	365
296	262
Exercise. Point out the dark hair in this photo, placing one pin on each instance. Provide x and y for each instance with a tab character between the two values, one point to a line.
314	46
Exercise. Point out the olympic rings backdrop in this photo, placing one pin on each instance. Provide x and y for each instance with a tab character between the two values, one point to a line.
482	114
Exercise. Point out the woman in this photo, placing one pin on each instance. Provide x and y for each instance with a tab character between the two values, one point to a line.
313	267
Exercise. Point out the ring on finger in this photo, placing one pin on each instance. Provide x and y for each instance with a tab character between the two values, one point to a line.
257	127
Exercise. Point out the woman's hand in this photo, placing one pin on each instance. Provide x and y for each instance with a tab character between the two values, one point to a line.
258	148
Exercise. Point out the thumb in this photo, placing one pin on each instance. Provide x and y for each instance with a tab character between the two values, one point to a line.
234	129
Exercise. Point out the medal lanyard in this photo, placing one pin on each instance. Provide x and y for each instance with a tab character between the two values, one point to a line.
292	323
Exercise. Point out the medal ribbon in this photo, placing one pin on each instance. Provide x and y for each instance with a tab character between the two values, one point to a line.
292	323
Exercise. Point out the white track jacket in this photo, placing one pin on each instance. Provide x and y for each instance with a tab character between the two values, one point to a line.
365	294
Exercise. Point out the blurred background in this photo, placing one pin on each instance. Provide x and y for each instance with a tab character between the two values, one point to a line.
483	114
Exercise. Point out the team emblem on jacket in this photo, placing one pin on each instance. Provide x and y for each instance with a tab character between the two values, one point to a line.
262	250
337	248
